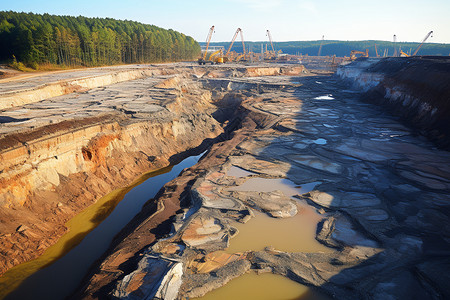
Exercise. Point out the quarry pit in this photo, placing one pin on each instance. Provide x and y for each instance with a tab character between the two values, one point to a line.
360	190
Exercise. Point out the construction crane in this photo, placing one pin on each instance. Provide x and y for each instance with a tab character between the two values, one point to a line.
202	60
270	54
270	39
232	41
376	51
320	47
426	38
244	52
243	45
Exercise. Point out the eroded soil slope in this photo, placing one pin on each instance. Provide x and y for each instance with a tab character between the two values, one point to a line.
69	138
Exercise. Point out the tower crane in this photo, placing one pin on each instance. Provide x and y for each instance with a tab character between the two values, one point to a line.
202	60
423	41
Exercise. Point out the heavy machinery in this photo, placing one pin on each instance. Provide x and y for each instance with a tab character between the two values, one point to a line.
270	54
202	60
227	54
353	54
423	41
376	51
216	57
403	54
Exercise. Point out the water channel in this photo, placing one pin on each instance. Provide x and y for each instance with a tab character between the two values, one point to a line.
59	271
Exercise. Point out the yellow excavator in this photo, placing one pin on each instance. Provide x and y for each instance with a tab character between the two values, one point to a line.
354	52
403	54
216	57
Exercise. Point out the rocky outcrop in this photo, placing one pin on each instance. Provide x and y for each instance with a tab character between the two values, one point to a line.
415	88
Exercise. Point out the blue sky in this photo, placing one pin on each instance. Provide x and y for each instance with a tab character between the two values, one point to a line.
287	20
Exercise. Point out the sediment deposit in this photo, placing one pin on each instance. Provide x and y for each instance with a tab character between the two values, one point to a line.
375	193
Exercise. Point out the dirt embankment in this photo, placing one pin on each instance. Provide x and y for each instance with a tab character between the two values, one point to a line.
52	173
65	153
415	88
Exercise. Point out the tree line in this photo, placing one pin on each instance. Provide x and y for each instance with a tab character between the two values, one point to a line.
80	41
342	48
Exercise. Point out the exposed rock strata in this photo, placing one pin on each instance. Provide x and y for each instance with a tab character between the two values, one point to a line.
415	88
385	211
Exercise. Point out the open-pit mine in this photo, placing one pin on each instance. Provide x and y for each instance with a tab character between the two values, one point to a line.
233	181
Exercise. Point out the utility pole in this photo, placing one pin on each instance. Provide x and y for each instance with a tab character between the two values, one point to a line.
395	46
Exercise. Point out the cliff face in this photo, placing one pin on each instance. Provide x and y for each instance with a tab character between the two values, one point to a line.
415	88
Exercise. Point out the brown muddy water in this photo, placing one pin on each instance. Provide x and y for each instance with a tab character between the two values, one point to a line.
59	271
295	234
266	286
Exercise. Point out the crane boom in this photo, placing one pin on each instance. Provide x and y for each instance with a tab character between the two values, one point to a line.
243	45
232	41
208	39
270	39
423	41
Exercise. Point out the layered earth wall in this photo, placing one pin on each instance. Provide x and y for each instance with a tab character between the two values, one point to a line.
415	88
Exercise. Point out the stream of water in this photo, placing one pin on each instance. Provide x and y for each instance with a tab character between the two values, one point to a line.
59	271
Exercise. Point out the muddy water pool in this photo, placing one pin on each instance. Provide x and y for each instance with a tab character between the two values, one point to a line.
266	286
295	234
59	271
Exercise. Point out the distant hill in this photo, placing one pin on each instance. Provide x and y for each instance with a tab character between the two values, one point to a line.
74	41
340	48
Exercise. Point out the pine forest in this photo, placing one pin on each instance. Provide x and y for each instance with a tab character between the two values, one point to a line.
36	39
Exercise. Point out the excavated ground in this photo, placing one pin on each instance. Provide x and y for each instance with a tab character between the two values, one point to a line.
377	191
68	138
380	190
